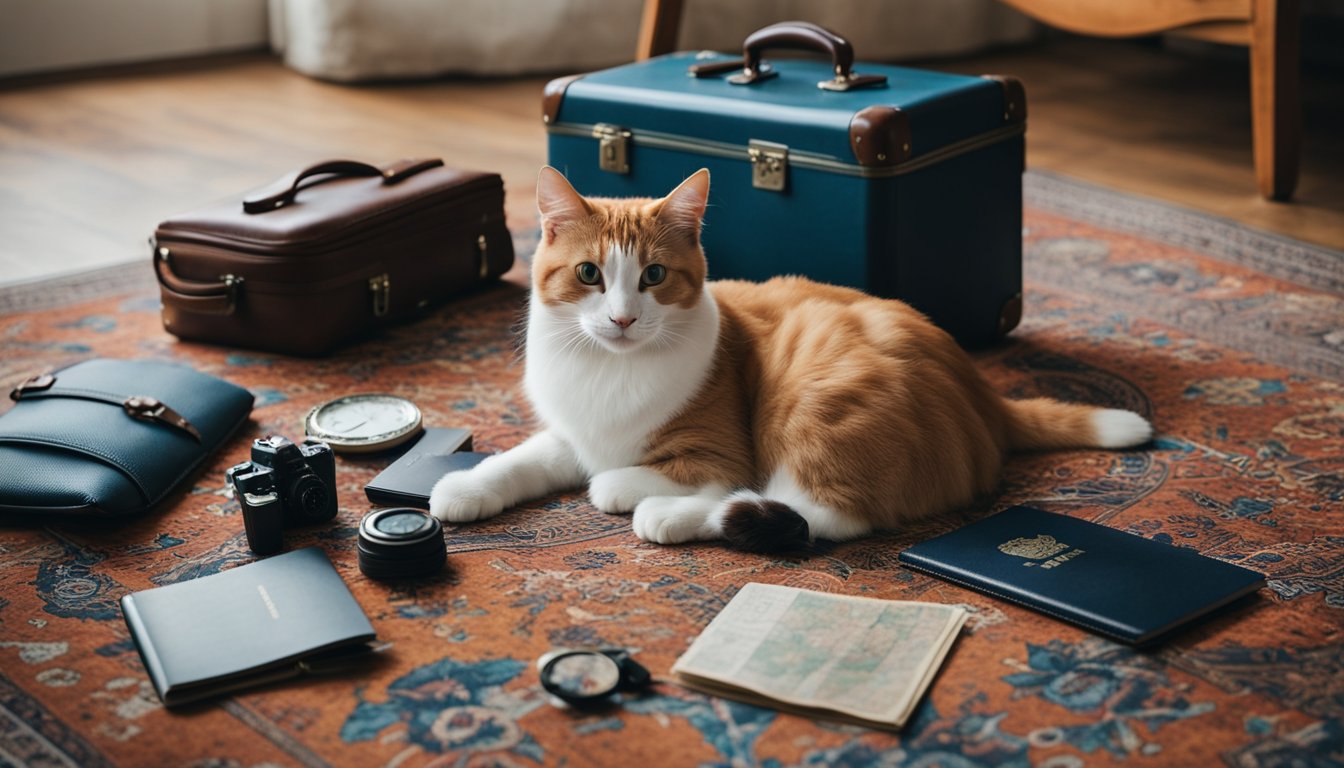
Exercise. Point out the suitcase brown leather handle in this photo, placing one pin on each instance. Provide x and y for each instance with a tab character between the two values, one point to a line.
793	35
333	169
196	297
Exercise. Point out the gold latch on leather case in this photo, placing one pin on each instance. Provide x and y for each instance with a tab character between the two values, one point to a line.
613	147
232	285
482	245
381	288
769	165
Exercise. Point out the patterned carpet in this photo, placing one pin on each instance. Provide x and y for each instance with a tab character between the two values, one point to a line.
1231	341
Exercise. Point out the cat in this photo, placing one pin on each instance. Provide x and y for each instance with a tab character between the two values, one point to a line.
766	414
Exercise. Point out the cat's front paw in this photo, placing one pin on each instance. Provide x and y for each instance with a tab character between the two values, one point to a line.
672	519
460	497
617	491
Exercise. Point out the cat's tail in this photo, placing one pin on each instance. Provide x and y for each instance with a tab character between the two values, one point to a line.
1042	423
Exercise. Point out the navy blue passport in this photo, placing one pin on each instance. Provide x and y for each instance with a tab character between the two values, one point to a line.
1110	582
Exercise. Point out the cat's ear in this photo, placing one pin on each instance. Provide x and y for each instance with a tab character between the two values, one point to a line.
684	207
558	203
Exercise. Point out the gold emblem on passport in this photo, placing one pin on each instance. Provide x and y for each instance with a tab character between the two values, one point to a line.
1039	548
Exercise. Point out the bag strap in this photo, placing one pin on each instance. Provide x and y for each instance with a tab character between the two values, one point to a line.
140	407
334	169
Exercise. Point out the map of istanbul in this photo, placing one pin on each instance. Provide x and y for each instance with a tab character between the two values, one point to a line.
831	656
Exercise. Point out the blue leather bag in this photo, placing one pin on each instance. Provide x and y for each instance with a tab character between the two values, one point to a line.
111	437
902	182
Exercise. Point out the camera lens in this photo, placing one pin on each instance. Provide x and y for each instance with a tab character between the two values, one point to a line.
308	497
312	499
400	542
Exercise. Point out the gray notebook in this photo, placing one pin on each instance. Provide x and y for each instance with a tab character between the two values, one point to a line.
258	623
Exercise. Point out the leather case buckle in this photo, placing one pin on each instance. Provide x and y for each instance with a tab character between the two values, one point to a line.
148	409
35	384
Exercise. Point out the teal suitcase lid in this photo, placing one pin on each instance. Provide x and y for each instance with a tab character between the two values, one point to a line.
914	114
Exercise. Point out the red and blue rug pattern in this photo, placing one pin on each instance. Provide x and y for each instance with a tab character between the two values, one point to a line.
1231	341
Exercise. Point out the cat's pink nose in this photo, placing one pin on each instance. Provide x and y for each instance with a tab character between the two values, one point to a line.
624	322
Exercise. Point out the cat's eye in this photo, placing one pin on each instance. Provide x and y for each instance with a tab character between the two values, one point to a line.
653	275
588	273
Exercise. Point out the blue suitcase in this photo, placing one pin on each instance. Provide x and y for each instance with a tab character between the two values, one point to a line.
904	183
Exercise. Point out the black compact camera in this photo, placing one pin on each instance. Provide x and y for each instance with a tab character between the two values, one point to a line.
283	485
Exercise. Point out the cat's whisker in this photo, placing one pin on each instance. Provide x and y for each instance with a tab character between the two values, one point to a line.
572	342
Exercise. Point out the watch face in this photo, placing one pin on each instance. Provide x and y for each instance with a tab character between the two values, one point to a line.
364	422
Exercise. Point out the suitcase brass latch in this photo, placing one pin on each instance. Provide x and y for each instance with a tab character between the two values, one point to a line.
381	287
769	165
613	151
482	245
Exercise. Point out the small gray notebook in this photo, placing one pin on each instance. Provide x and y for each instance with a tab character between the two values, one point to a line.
409	480
257	623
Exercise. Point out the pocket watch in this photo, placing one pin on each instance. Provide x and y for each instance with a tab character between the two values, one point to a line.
364	423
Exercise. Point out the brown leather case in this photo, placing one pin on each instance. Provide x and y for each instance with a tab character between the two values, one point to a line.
330	253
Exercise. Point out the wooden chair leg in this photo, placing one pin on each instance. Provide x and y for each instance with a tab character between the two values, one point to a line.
1276	109
658	28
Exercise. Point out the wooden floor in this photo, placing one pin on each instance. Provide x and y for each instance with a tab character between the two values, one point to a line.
88	167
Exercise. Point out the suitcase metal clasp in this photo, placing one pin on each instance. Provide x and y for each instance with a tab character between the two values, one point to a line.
769	165
613	151
380	287
482	245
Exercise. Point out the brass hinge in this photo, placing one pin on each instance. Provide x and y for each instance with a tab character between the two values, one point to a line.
381	287
769	165
613	147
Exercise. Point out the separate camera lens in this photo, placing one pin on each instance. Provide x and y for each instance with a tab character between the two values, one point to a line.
400	542
401	523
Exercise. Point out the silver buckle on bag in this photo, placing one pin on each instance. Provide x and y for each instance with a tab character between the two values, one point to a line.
769	165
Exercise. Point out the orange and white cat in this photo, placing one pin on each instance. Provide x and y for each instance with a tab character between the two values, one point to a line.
761	413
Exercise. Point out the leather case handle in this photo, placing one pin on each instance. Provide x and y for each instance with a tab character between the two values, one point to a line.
792	35
334	169
201	298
